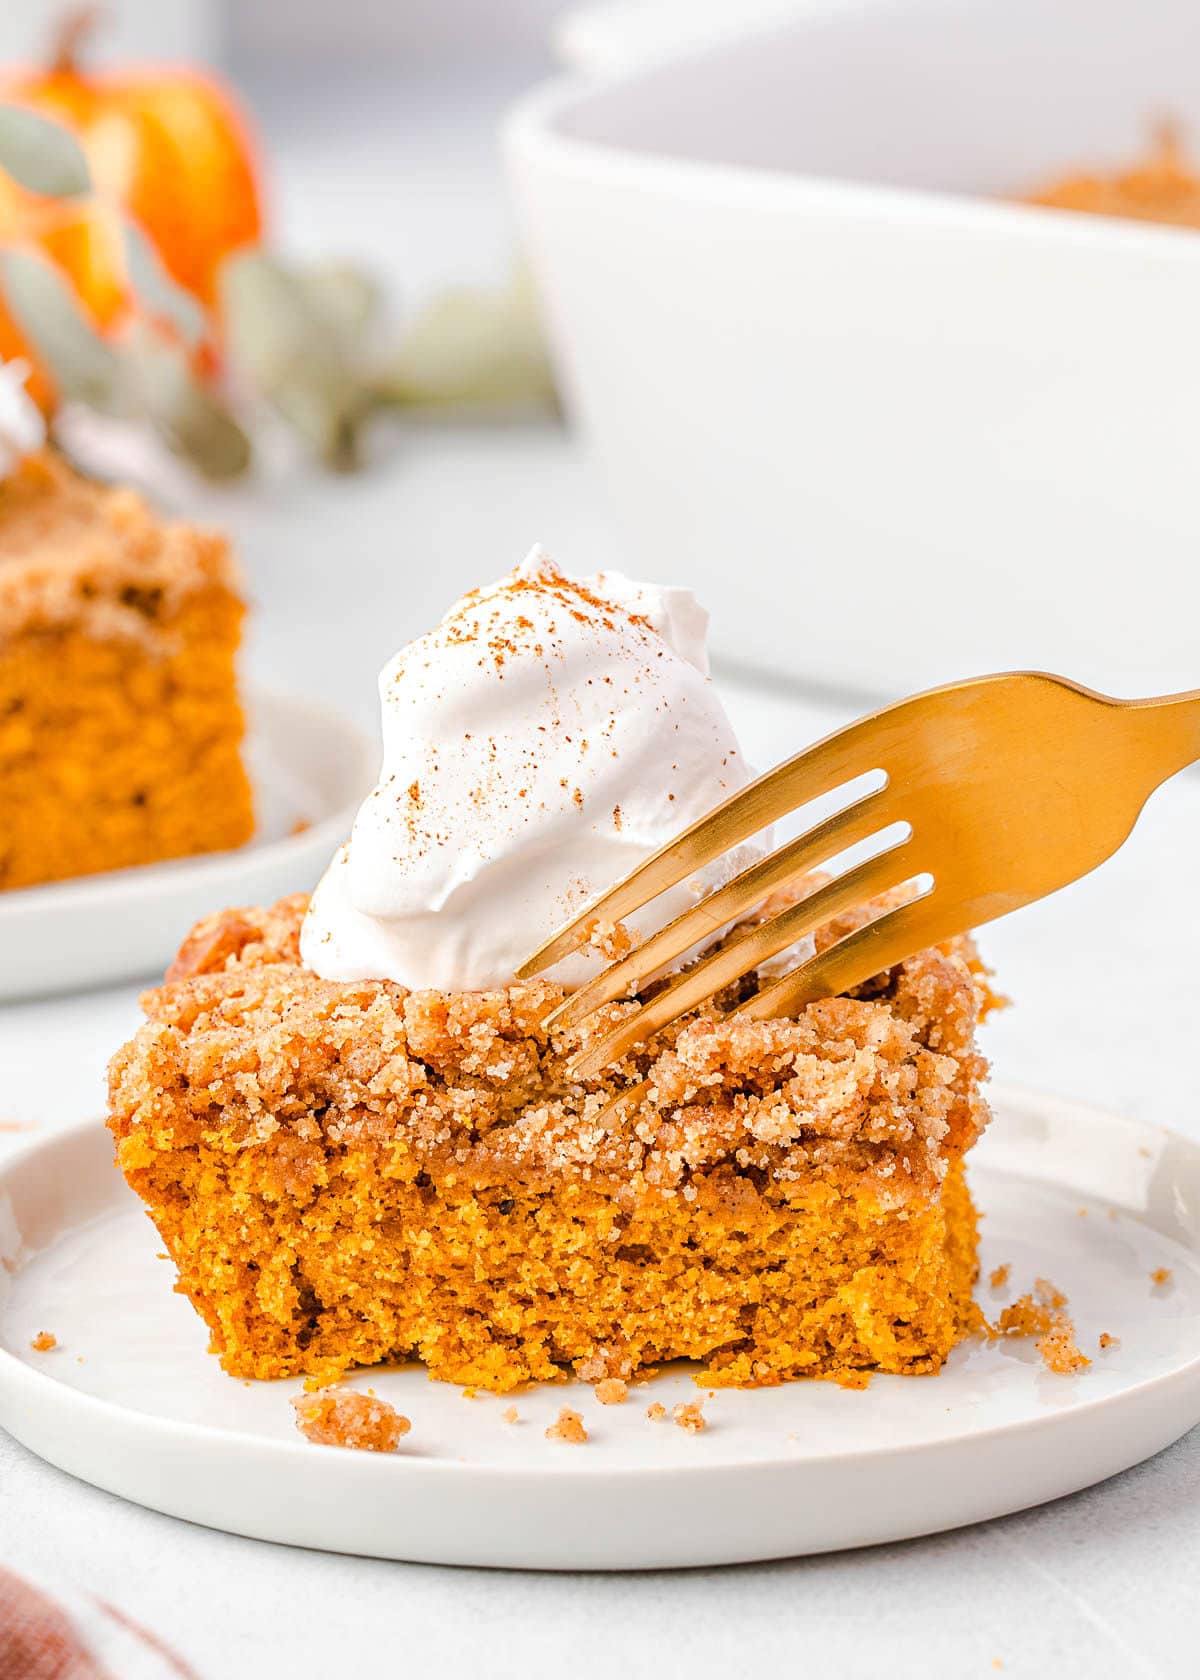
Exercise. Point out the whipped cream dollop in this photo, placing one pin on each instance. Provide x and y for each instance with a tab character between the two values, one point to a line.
22	429
549	734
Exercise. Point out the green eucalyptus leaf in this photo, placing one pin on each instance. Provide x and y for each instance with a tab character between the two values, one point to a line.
83	365
188	414
472	349
285	348
156	289
346	299
41	155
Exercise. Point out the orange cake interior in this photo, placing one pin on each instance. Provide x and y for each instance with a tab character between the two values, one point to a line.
349	1173
120	727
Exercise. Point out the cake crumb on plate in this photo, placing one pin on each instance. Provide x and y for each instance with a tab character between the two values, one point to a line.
43	1342
611	1391
1107	1341
568	1426
690	1416
510	1414
656	1413
998	1278
1060	1351
341	1417
1042	1313
1160	1277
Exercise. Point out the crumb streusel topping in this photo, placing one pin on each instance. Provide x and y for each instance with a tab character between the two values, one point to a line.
75	553
246	1042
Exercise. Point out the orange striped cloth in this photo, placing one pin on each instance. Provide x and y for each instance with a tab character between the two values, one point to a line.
60	1633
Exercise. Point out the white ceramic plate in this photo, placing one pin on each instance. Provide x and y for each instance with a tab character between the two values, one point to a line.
130	1401
307	765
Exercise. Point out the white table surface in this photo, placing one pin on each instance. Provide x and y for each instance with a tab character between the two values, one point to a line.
1107	995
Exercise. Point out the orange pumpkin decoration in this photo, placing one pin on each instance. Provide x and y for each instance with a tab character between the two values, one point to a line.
166	146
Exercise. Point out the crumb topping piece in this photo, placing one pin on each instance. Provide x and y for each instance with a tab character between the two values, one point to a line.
605	1361
1060	1351
1042	1314
344	1417
611	1391
568	1426
43	1342
612	939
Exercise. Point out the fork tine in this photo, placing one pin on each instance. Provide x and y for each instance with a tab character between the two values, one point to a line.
728	904
839	758
741	955
871	949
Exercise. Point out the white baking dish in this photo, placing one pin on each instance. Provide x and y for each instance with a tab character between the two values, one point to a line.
892	427
619	35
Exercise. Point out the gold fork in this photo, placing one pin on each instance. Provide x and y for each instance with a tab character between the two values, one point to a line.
1011	786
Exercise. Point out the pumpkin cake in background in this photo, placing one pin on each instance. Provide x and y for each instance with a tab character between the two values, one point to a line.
120	725
361	1142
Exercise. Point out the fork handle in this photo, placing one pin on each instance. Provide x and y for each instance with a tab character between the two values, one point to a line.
1168	731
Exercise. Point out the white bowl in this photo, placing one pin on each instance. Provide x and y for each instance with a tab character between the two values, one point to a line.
894	428
622	34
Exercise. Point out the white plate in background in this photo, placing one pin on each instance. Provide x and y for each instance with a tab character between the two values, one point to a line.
307	765
131	1401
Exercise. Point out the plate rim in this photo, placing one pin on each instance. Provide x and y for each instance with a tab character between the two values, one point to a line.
17	1373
